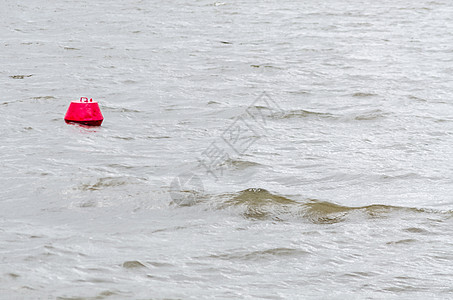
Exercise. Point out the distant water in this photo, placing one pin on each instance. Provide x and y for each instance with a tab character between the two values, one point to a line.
336	183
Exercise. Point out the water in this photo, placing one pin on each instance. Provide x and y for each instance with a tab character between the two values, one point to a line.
345	192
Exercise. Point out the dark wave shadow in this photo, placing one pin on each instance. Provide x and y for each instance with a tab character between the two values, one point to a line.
260	204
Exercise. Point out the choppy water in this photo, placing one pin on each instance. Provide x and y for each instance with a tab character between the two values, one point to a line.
346	191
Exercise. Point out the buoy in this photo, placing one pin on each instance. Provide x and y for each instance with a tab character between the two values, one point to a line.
84	111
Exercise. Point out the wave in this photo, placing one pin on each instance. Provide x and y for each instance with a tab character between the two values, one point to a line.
105	182
260	204
302	113
363	94
267	254
119	109
367	115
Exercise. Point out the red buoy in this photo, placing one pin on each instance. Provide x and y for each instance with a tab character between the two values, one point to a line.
84	111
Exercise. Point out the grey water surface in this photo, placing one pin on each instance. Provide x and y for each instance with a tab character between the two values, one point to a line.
341	189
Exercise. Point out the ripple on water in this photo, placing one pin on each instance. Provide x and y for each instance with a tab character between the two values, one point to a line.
366	115
106	182
302	113
242	164
133	264
102	295
273	253
363	94
260	204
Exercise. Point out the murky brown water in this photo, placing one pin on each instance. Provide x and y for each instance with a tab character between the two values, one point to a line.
337	183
